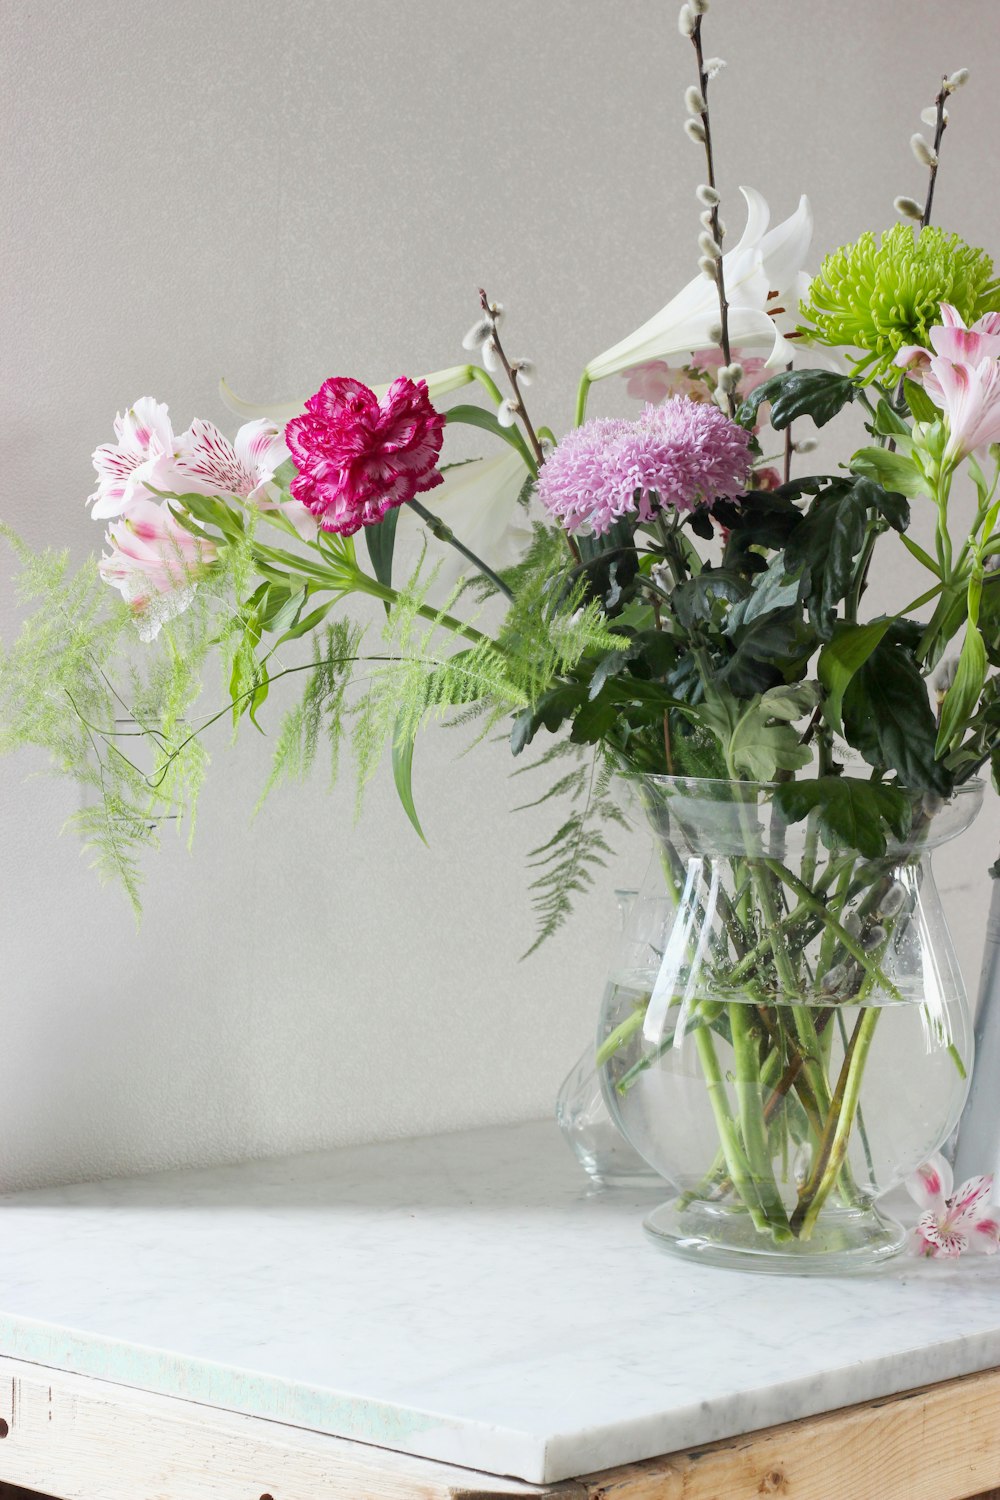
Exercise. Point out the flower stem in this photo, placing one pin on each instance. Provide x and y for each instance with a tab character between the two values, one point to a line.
444	533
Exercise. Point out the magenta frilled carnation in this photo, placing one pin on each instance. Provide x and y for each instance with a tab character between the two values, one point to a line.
677	455
358	457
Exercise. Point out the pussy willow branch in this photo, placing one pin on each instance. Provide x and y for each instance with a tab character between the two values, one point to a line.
940	126
511	375
720	275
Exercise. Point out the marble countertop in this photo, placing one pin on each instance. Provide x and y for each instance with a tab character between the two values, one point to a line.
460	1297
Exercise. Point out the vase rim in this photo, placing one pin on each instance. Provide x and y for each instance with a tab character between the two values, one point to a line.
974	783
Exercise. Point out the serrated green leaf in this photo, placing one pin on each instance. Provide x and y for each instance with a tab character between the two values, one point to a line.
819	394
852	814
887	717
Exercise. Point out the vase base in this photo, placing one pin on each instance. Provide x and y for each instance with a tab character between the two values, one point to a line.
844	1242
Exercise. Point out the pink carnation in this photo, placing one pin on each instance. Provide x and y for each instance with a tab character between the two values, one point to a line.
358	457
679	455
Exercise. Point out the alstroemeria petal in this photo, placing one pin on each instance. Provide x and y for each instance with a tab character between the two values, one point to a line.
439	383
930	1185
968	1204
984	1237
945	1239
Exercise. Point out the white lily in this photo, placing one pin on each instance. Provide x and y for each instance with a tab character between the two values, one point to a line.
764	281
439	383
479	501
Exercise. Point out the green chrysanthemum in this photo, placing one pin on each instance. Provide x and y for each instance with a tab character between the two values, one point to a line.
878	297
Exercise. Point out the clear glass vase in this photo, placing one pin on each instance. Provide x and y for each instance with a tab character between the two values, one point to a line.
785	1033
584	1118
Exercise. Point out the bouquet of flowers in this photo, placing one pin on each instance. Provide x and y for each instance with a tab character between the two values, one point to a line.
660	604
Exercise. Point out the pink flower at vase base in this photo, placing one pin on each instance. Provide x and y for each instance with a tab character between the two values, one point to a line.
952	1222
359	457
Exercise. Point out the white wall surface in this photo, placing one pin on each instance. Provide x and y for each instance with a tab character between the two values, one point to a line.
286	190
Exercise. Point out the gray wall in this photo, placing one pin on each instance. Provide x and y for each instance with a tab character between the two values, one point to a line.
281	191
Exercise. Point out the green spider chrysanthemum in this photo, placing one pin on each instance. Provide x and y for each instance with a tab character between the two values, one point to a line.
877	297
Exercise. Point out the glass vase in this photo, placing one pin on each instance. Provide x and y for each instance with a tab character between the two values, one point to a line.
785	1034
584	1118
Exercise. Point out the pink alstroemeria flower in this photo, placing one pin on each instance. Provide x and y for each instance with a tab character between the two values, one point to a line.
144	437
962	377
205	462
155	564
952	1221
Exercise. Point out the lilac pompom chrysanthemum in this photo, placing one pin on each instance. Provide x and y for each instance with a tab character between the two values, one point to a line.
680	454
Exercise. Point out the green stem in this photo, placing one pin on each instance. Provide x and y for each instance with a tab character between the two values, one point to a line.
751	1111
739	1169
833	1149
583	391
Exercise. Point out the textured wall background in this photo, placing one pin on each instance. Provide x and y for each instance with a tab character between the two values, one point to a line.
282	191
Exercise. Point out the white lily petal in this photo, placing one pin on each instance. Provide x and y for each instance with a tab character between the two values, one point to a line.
784	249
439	383
758	218
684	326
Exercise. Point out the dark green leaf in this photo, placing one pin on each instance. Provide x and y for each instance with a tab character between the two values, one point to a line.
770	650
763	519
824	548
819	394
989	617
703	600
842	656
852	814
888	718
381	540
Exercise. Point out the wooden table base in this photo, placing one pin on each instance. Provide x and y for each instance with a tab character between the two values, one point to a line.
80	1439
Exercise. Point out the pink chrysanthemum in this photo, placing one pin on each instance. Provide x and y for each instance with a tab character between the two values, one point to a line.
677	455
358	457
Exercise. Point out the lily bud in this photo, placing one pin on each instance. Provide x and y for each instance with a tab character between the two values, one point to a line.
707	195
695	130
708	245
685	21
907	208
694	101
957	79
925	156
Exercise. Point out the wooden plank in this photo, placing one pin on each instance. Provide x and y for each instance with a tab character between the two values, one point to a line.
941	1442
81	1439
